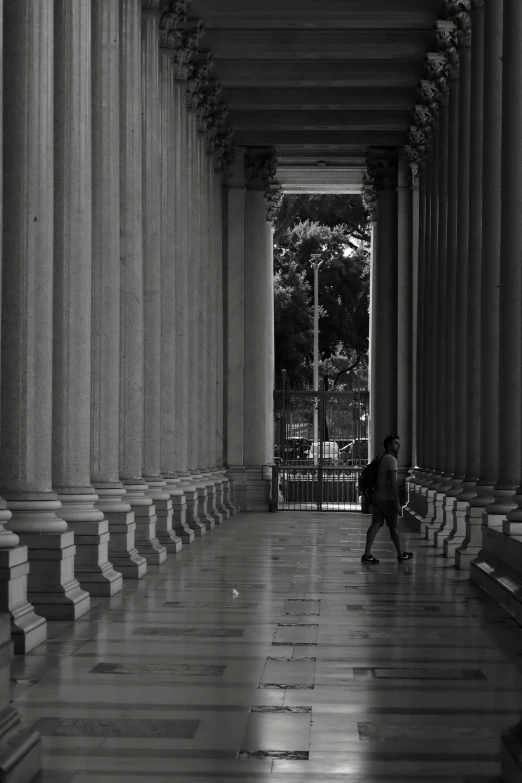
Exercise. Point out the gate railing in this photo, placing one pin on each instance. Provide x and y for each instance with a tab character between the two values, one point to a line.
315	488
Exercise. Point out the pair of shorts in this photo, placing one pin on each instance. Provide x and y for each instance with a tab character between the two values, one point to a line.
384	511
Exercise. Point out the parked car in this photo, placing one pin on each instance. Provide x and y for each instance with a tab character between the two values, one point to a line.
329	451
356	452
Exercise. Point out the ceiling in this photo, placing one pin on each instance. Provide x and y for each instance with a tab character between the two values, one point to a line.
320	80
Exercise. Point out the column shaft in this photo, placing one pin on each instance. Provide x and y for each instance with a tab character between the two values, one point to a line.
72	303
131	304
105	344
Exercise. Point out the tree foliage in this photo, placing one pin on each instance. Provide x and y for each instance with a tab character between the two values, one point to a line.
343	284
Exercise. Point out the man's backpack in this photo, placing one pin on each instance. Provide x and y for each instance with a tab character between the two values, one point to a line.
368	478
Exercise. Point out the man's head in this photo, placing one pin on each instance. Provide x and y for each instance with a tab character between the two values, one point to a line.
392	444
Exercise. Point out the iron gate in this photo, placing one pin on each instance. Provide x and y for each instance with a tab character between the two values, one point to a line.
321	445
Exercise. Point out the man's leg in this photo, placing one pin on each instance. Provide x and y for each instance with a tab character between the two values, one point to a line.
371	533
394	535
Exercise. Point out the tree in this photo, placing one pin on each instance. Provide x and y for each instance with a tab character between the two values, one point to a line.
333	210
343	293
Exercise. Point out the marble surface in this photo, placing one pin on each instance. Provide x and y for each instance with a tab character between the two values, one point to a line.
405	672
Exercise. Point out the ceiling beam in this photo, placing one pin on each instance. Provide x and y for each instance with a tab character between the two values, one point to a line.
290	98
301	73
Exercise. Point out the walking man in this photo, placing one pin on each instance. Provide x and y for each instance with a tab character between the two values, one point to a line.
385	503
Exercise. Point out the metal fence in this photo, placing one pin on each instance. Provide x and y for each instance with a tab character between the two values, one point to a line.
321	446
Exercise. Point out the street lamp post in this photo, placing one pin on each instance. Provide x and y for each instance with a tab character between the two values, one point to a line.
314	260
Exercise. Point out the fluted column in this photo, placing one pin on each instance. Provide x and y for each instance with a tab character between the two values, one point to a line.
450	289
152	277
382	170
260	170
438	63
105	343
132	304
176	49
475	356
461	491
405	321
191	483
27	306
72	300
508	488
23	626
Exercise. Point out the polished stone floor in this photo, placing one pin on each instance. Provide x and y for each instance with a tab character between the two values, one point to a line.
319	670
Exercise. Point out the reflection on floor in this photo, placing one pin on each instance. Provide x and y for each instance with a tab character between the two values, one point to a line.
320	670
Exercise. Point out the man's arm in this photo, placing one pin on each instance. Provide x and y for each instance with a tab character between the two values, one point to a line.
392	481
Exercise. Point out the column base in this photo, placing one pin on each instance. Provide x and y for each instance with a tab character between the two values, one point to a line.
164	512
92	567
472	543
28	630
458	532
192	519
496	570
20	749
53	588
212	485
145	538
122	528
219	480
229	497
179	511
202	486
511	755
432	525
444	529
251	489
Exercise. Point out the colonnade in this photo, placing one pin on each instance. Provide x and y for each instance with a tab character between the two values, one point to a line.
137	328
449	309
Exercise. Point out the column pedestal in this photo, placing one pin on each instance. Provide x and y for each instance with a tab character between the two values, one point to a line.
20	749
145	538
189	486
179	510
122	529
162	500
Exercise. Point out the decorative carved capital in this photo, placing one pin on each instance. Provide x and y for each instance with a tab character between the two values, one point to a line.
198	81
445	31
369	197
260	167
422	115
182	41
273	198
459	12
414	164
382	165
437	66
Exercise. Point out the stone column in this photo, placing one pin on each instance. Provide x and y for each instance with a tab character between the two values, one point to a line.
152	277
260	170
382	170
189	483
501	578
234	297
492	501
405	320
506	492
20	750
72	299
476	368
105	343
131	302
440	346
24	627
176	48
27	306
450	287
461	491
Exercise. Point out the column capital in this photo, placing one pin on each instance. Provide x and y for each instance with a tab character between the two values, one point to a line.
273	198
197	85
459	12
181	42
260	167
382	166
414	165
369	197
